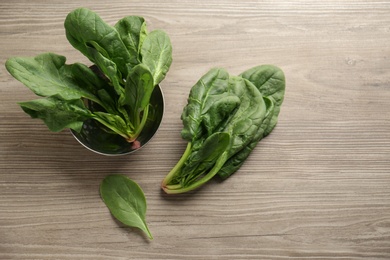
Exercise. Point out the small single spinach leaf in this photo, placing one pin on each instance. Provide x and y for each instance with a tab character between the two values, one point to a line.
125	200
58	114
156	52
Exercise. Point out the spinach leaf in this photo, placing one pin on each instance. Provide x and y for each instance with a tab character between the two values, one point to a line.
114	123
247	119
138	90
235	162
156	52
58	113
83	27
132	30
108	67
47	75
108	101
270	81
213	86
125	200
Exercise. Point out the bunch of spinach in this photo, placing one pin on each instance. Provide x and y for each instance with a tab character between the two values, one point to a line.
226	116
130	63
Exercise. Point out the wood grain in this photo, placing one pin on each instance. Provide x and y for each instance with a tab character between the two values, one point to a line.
317	188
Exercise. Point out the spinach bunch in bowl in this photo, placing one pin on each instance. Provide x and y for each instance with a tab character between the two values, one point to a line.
131	61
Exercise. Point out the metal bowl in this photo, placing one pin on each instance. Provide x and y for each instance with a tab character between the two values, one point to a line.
93	136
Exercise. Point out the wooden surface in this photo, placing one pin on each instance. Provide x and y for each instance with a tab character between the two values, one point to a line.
317	188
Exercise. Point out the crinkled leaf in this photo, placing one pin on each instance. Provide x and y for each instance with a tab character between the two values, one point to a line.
222	108
125	200
248	117
270	81
235	162
211	87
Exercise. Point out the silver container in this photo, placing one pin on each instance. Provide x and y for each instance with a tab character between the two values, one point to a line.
93	136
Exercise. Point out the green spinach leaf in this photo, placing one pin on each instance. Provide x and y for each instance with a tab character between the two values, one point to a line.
236	161
204	95
57	113
83	27
138	90
132	30
125	200
109	69
156	52
47	75
270	81
113	122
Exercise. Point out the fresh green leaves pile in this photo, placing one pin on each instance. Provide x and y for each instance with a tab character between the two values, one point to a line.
226	116
131	61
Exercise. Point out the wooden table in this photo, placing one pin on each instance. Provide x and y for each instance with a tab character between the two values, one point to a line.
317	188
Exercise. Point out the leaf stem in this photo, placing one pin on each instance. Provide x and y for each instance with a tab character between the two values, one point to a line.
177	167
140	125
147	230
124	135
175	189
